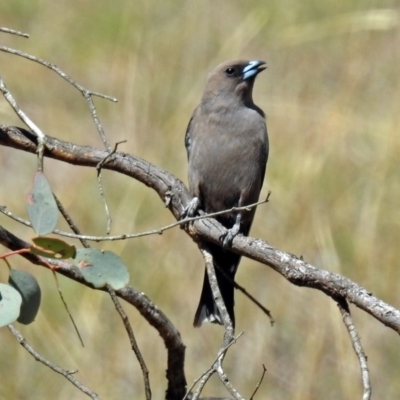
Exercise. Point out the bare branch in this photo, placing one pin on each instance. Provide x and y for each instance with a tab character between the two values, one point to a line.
103	197
68	219
229	330
202	380
87	94
223	377
219	301
358	349
24	118
246	294
131	335
172	191
58	71
67	374
100	183
259	382
14	32
65	304
157	231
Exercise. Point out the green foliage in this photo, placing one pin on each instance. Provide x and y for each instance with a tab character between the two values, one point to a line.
10	303
28	287
52	248
101	267
41	206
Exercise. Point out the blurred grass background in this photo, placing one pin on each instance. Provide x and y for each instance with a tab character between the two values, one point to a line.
331	93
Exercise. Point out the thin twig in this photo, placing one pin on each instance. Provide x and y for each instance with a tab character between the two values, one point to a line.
99	166
248	295
67	374
108	157
259	382
103	197
124	236
87	94
41	137
229	329
203	378
131	335
358	349
57	70
14	32
66	305
69	221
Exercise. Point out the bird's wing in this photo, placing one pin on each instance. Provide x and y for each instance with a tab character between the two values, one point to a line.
265	155
188	137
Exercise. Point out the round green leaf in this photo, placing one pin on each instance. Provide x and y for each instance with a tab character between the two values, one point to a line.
29	289
41	206
102	267
52	248
10	304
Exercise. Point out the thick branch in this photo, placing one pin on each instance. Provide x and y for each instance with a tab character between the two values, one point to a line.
174	194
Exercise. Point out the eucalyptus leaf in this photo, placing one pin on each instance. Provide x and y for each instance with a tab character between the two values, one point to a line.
10	304
102	267
29	289
41	206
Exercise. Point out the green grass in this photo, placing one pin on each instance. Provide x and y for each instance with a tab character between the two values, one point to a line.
331	93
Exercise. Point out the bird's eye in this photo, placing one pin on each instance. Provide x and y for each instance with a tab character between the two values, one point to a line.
230	71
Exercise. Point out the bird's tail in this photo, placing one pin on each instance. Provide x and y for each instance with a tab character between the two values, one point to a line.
207	311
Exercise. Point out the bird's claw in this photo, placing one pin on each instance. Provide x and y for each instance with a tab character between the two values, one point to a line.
191	208
229	235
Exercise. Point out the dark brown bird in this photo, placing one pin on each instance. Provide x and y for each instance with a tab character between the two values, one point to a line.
227	147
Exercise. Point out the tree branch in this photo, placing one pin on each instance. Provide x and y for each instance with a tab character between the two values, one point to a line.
67	374
132	339
358	349
174	194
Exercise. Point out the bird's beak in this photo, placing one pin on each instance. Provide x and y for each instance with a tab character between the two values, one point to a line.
253	68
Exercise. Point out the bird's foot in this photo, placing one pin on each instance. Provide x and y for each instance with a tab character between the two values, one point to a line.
191	208
229	235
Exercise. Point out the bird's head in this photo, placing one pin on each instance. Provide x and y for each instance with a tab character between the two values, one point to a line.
233	81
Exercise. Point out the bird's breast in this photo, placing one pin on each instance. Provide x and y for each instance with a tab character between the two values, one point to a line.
227	160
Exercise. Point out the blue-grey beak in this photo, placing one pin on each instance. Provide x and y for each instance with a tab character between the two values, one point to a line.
253	68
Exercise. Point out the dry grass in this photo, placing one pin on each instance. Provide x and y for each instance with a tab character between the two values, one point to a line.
331	93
